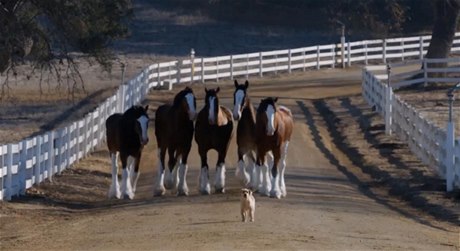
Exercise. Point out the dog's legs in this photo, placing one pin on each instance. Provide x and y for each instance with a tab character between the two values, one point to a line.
282	169
251	212
243	218
114	190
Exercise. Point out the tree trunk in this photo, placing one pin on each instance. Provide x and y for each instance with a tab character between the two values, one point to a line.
445	25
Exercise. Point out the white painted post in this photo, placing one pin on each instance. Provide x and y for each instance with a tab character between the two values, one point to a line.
247	66
9	171
22	167
425	72
2	173
450	146
158	74
388	103
304	60
51	153
384	51
317	57
333	58
85	136
289	61
276	64
77	146
217	70
402	49
178	68
68	143
59	141
261	74
349	54
192	64
365	52
421	48
38	159
202	70
231	67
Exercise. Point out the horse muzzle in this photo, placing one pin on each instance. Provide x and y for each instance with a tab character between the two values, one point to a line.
192	115
144	141
270	132
236	115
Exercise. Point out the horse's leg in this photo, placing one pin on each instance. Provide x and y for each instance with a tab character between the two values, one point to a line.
275	191
262	165
126	188
219	184
241	172
170	181
114	190
135	171
160	188
182	170
254	171
205	187
284	150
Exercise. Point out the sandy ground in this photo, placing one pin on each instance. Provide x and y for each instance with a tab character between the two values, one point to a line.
336	199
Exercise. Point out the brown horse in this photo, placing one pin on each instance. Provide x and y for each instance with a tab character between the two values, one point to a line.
174	133
126	134
274	127
213	130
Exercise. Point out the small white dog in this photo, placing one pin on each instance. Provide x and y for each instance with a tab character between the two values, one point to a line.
248	205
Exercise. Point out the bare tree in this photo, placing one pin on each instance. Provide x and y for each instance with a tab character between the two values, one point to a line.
444	28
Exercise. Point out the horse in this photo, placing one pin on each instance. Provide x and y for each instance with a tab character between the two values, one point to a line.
243	110
274	127
126	136
174	133
213	130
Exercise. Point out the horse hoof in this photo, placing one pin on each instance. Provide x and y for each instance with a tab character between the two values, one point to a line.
182	193
205	192
220	190
128	196
159	192
275	195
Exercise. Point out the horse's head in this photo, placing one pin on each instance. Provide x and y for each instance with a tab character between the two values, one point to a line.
266	115
142	123
212	103
239	98
186	99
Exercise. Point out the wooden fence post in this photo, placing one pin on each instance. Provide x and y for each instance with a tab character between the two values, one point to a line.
51	154
450	146
9	169
349	54
22	167
304	60
425	72
217	70
202	70
247	66
289	60
365	52
384	51
421	48
38	159
317	57
333	57
388	103
261	74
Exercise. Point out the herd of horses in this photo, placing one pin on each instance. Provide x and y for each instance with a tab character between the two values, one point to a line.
262	138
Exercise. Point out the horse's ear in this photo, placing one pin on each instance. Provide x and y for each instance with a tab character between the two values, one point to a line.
217	90
246	84
236	83
206	89
275	99
146	108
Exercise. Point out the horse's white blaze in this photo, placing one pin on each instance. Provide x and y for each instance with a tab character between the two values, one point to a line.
191	106
114	190
239	96
220	176
205	188
270	120
183	188
143	121
211	113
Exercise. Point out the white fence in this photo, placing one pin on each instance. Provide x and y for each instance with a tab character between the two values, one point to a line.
436	147
30	161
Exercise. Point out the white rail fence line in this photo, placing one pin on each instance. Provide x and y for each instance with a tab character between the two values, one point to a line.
435	146
33	160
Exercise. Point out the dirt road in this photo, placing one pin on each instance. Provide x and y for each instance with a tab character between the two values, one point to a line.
326	207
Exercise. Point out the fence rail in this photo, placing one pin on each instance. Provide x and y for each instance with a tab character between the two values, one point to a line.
435	146
33	160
